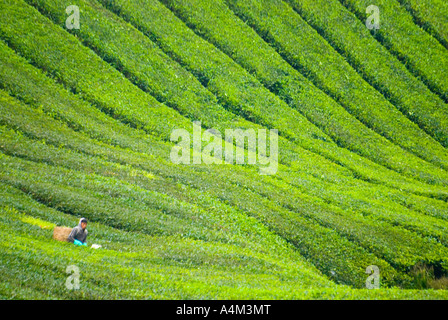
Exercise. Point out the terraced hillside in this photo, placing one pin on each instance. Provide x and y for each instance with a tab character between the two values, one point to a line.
87	121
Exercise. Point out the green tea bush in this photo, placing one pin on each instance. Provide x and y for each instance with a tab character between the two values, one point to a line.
306	50
183	231
412	45
431	15
240	42
376	64
205	61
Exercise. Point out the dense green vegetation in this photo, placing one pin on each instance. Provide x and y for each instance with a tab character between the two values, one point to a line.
417	49
298	43
239	41
85	123
169	30
379	67
431	15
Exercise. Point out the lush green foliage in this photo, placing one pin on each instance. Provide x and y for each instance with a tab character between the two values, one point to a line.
87	74
314	240
361	230
84	131
165	271
241	43
207	63
376	64
411	44
304	49
432	15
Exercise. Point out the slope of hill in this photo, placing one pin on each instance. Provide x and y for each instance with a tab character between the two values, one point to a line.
86	123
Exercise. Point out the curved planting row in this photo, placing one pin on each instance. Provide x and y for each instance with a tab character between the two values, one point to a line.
36	89
28	84
376	64
224	79
339	242
306	50
84	72
149	68
431	15
16	84
239	41
273	190
143	63
136	112
363	170
158	267
309	238
360	230
140	273
417	49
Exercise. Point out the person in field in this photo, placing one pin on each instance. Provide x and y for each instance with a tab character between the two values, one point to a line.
78	235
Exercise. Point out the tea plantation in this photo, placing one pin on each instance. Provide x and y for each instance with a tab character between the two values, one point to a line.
87	115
